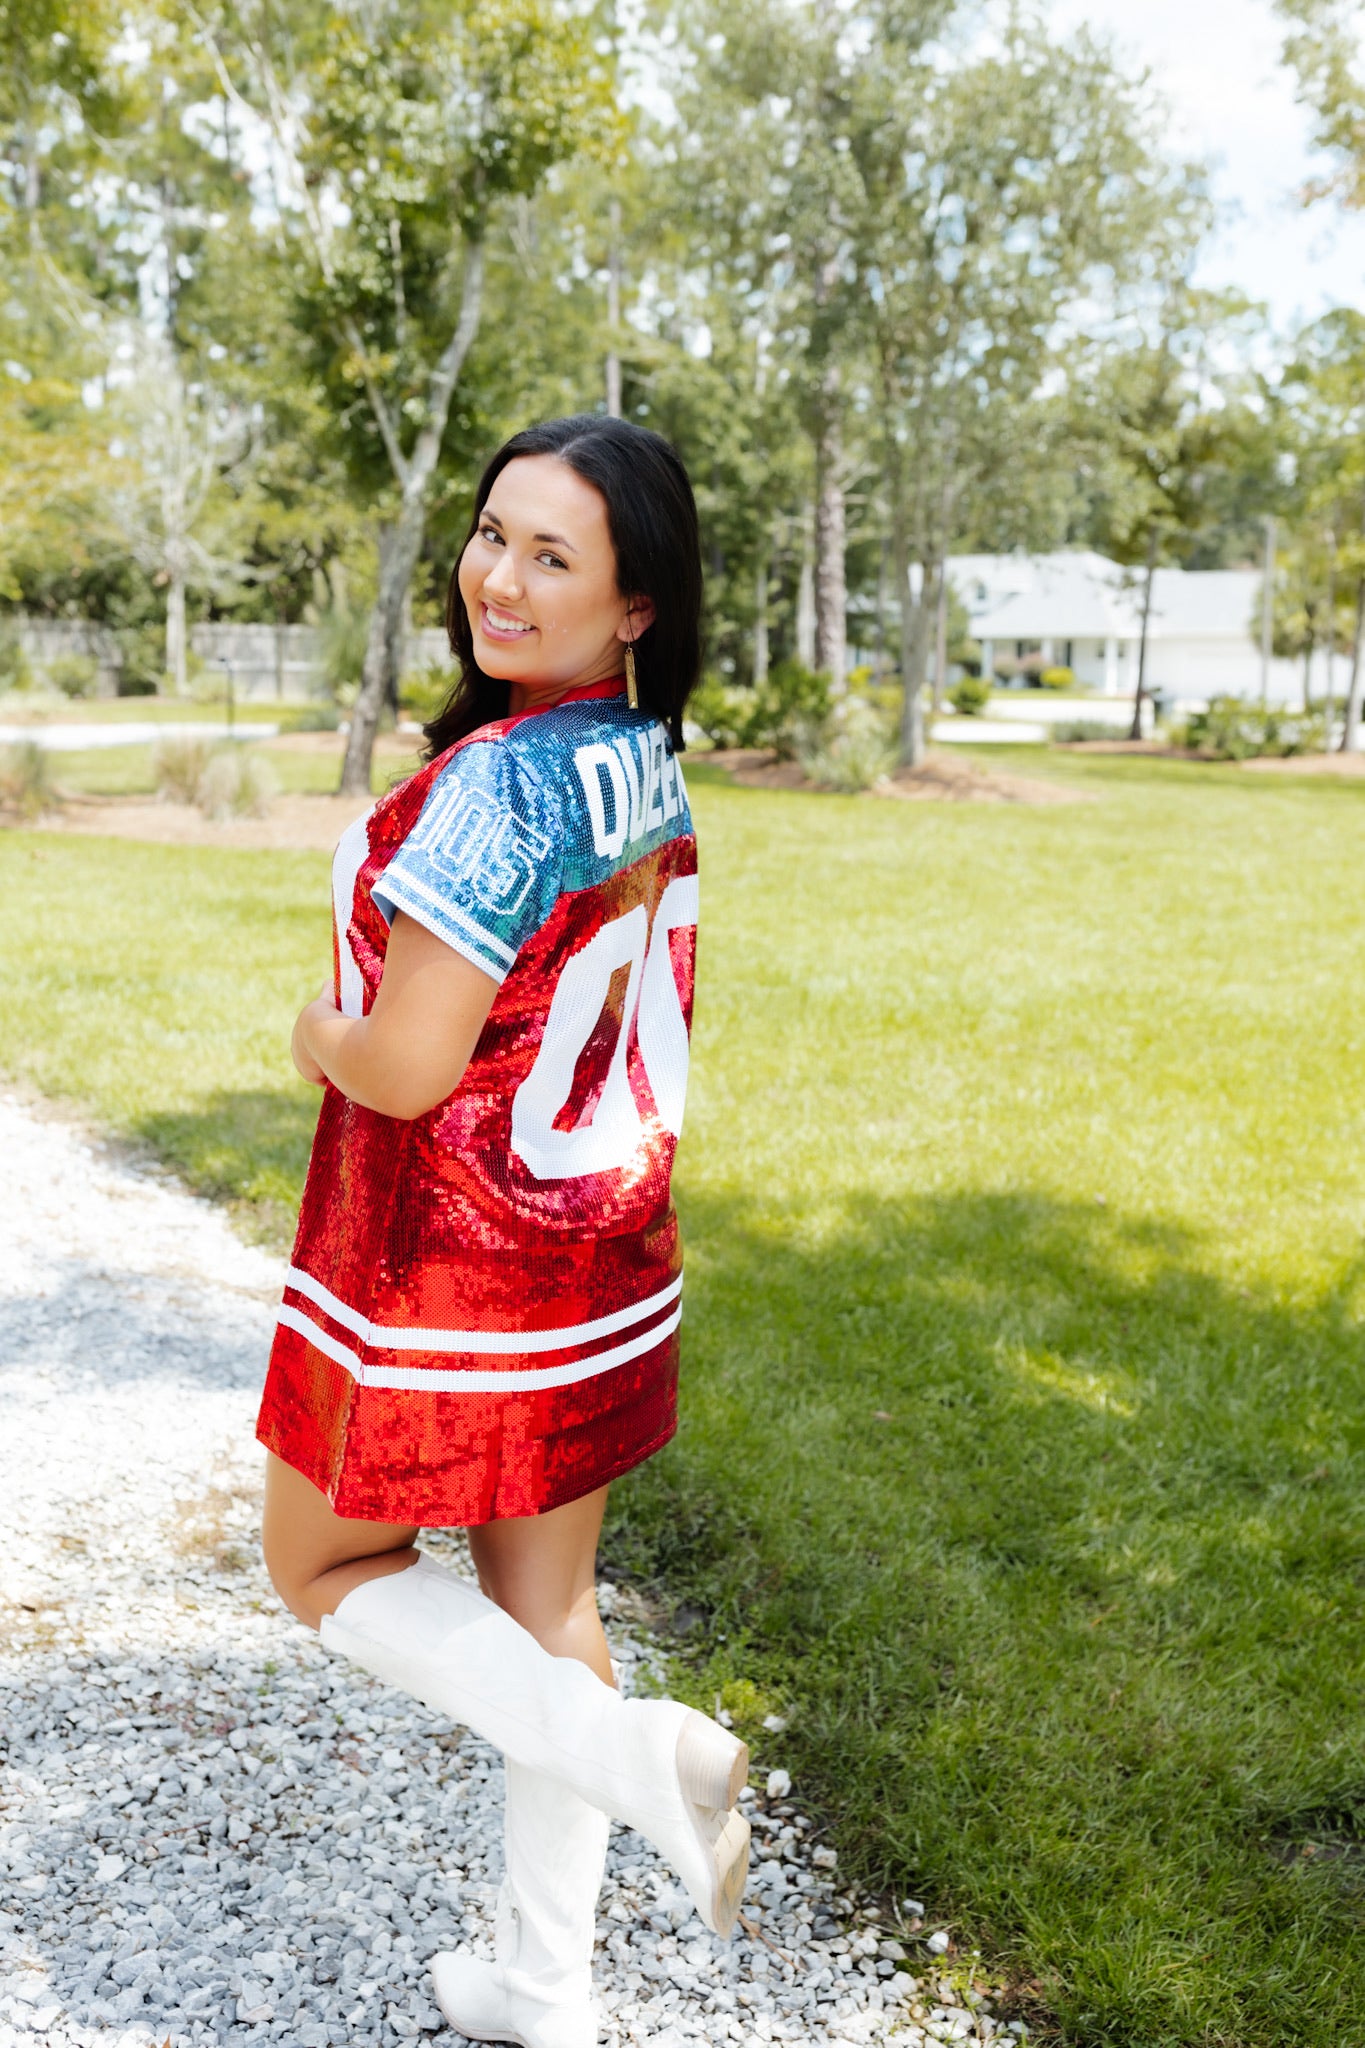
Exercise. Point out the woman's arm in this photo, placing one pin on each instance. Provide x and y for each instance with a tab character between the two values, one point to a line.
411	1050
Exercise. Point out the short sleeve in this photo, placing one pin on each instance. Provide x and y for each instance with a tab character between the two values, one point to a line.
481	867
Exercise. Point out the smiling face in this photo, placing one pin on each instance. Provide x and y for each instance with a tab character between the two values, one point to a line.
538	580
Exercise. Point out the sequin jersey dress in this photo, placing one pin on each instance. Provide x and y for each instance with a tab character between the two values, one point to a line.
481	1314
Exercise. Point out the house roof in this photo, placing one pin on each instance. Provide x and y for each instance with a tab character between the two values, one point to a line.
1075	594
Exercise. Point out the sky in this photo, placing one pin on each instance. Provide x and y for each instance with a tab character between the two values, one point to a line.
1217	61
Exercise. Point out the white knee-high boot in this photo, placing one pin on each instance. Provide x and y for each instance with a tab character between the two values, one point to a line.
659	1767
538	1990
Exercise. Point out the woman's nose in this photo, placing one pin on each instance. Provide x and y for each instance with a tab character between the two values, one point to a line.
502	579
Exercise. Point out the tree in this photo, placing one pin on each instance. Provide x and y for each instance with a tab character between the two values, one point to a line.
999	191
1324	51
398	137
774	114
1321	403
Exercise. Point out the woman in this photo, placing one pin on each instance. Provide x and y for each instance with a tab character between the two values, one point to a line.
480	1322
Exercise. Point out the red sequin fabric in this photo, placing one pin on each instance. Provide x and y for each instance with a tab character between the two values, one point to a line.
482	1309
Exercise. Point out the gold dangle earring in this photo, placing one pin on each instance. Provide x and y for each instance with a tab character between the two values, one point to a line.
632	689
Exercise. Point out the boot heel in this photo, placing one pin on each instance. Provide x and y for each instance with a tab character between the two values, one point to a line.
713	1766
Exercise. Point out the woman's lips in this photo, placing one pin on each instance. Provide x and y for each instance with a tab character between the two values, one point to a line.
507	635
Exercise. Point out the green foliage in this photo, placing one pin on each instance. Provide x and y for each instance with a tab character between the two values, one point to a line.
423	691
789	703
781	712
75	675
343	630
1323	48
16	673
315	718
1057	678
1230	729
719	710
971	695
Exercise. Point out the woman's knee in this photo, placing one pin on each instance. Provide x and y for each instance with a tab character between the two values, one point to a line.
288	1571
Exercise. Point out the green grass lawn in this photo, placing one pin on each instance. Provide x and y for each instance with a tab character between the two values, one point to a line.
1023	1450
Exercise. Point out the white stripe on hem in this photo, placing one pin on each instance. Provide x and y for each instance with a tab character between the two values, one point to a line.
439	1379
388	1337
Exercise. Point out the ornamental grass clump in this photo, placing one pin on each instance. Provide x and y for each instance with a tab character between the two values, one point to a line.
853	749
26	789
178	767
236	785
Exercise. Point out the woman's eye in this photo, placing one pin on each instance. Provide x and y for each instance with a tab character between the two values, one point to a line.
553	560
489	533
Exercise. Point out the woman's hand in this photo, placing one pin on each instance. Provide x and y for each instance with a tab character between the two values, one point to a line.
321	1006
409	1052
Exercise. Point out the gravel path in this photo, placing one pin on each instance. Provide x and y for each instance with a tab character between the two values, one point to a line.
210	1832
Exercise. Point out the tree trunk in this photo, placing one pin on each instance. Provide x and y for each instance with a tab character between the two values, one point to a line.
1330	678
941	634
1135	730
761	621
1350	730
398	555
177	647
831	595
805	596
416	472
879	656
914	648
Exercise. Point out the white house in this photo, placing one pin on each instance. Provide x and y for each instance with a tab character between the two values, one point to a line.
1084	612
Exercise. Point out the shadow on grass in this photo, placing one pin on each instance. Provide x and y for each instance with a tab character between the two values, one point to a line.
1051	1545
246	1147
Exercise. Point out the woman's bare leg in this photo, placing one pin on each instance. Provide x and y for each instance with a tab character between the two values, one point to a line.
315	1556
542	1570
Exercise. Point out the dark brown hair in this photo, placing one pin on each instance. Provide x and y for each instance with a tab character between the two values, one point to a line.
652	519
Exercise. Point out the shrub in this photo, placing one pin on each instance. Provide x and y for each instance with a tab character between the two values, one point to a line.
1231	730
15	672
970	696
343	634
423	691
75	675
26	780
143	669
1068	730
790	705
1059	678
852	749
315	718
786	710
178	766
236	784
718	711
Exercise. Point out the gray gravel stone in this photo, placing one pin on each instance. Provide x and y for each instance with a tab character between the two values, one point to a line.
209	1831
